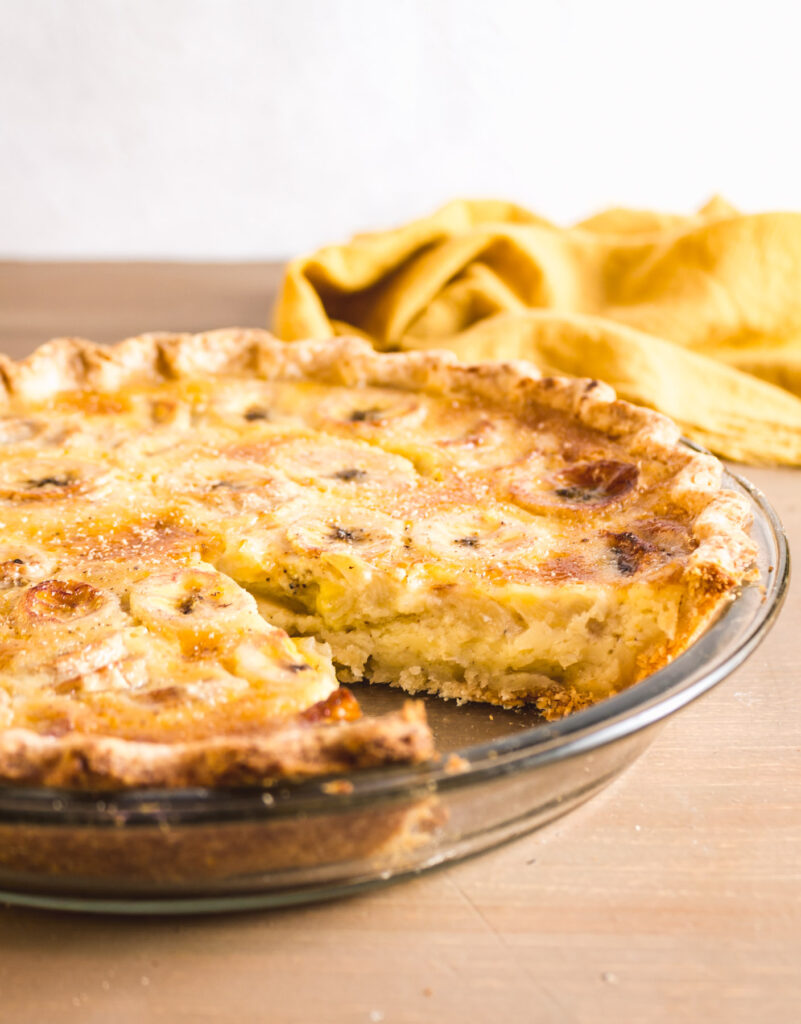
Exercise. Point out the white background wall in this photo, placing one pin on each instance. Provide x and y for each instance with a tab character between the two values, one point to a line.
261	128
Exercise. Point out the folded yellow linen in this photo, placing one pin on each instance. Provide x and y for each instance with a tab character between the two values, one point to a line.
699	317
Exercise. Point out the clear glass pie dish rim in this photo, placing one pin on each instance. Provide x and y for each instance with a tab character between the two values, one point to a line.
713	656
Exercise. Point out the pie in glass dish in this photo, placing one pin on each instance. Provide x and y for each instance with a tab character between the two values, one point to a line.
203	536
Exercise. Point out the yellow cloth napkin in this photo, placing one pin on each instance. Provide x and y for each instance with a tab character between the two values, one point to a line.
699	317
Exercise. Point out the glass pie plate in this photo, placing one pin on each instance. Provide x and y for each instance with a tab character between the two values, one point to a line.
502	774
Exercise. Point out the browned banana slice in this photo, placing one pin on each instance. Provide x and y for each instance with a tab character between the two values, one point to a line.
586	486
59	602
78	626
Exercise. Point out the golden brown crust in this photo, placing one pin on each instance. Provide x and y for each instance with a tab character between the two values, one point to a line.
297	751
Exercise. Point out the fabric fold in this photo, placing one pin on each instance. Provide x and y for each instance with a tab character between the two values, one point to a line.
699	317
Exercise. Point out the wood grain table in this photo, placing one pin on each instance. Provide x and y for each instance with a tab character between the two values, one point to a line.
674	896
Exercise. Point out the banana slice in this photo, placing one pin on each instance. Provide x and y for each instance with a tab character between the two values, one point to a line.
60	602
127	675
193	605
342	466
228	485
83	666
583	486
22	565
369	409
241	403
85	422
45	480
470	536
476	442
291	675
336	530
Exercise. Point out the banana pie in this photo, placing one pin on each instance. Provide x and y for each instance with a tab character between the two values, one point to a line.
202	537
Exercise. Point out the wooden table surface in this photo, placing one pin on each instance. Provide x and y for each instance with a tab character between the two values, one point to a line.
673	896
